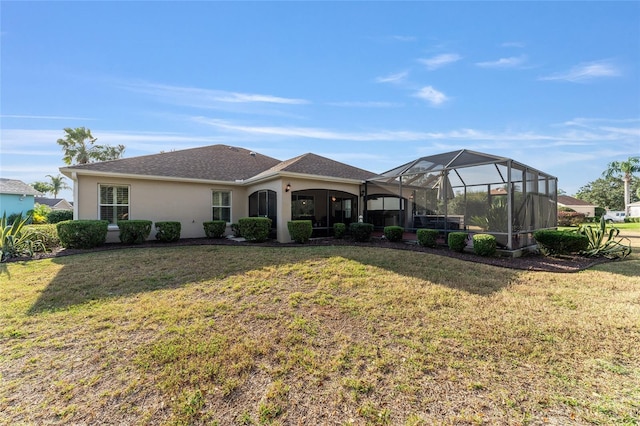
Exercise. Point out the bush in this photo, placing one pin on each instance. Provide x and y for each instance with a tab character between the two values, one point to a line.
168	231
484	244
134	231
560	242
339	229
602	241
572	218
457	241
632	219
55	216
214	228
47	234
255	229
393	233
300	230
427	237
15	240
235	228
40	213
361	231
82	234
17	217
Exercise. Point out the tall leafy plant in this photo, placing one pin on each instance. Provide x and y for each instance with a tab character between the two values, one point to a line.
16	239
603	241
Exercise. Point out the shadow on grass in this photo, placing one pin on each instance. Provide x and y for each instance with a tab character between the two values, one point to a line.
116	273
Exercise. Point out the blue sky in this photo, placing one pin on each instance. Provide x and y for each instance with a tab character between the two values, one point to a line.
555	85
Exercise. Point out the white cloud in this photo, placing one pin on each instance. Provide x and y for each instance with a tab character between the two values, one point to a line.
513	44
511	62
403	38
431	95
365	104
585	72
204	98
43	117
393	78
440	61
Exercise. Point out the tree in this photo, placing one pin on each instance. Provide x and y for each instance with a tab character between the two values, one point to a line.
606	192
79	147
43	187
57	185
626	169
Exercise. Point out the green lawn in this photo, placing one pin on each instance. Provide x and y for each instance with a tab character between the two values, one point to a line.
315	335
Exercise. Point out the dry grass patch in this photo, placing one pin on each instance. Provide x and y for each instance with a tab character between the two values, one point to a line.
315	335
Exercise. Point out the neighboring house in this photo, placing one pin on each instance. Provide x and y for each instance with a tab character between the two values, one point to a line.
218	182
581	206
16	197
54	203
634	209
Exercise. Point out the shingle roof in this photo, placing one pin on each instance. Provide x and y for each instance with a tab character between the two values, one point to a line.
223	163
571	201
51	202
214	162
313	164
14	186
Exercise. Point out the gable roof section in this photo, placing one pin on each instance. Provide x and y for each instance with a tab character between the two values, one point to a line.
566	200
214	162
51	202
14	186
316	165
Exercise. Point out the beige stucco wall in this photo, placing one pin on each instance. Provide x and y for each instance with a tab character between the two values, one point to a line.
190	202
186	202
279	184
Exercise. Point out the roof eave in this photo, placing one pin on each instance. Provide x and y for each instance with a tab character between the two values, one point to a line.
69	172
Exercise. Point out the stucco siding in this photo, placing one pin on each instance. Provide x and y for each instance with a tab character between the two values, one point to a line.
186	202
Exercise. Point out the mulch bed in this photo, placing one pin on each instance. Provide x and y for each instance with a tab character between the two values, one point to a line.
529	261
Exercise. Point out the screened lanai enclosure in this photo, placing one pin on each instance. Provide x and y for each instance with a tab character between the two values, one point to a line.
465	191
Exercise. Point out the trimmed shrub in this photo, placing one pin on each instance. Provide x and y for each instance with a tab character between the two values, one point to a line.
134	231
55	216
560	242
300	230
82	234
168	231
361	231
393	233
235	228
46	233
427	237
339	229
255	229
484	244
457	241
571	218
214	228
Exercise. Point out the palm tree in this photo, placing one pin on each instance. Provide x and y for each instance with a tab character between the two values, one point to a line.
57	185
78	145
626	169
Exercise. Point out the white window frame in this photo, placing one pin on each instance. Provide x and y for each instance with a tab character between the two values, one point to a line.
114	205
215	206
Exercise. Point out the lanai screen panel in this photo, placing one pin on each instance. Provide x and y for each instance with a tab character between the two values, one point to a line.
466	190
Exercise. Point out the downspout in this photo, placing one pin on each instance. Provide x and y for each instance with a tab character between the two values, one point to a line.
74	178
509	208
402	207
